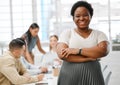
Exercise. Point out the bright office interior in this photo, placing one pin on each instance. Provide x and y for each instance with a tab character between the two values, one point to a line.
53	16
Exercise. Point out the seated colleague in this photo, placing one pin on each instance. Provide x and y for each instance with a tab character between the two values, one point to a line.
51	57
11	69
33	69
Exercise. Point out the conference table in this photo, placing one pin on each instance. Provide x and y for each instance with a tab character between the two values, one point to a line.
49	78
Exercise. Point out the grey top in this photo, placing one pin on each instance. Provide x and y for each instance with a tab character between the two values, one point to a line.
32	43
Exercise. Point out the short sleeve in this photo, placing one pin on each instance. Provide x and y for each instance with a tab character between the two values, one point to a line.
65	36
102	37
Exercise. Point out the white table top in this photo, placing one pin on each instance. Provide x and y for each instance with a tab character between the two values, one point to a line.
49	79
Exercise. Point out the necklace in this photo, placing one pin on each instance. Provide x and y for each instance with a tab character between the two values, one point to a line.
84	33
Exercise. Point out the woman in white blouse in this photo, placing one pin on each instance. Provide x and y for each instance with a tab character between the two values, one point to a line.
80	48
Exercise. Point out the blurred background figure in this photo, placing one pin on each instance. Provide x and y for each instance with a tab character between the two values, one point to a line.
51	58
12	72
31	37
33	69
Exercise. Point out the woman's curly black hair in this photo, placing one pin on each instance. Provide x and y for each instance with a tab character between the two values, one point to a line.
82	4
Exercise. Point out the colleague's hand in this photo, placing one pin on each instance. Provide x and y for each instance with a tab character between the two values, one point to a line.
58	61
27	76
40	77
44	69
67	51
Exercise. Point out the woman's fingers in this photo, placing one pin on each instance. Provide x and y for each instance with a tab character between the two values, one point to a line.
65	53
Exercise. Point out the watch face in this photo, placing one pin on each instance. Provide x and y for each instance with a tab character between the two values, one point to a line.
41	84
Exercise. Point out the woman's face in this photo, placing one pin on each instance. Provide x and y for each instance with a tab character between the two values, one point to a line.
53	42
82	18
34	32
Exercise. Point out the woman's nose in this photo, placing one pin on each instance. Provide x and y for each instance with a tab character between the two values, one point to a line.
81	18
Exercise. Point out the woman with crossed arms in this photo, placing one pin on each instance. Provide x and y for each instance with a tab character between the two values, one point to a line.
80	49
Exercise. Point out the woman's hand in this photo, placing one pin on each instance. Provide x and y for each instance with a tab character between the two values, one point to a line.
70	54
67	51
64	51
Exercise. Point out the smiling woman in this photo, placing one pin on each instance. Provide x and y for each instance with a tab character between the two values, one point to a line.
80	49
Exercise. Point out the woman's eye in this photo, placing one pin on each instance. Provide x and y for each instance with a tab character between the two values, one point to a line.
82	15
